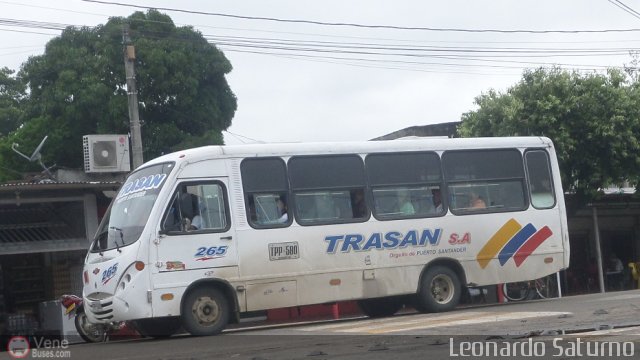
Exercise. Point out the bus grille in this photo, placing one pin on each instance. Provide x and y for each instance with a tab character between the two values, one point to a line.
101	309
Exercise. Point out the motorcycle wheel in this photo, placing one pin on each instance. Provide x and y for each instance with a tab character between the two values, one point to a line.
88	332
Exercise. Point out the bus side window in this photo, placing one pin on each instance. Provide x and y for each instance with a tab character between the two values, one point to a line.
539	175
403	184
266	189
210	207
485	180
197	207
268	209
180	212
328	189
172	219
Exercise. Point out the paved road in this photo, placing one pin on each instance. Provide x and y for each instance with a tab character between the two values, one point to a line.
553	316
556	326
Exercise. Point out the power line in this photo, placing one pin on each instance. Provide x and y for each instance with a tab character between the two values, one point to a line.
325	35
367	62
291	51
637	14
293	48
422	53
623	8
16	53
51	8
390	27
28	32
379	46
384	61
238	136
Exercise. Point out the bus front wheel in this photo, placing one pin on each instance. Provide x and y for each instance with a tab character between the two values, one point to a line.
440	290
205	311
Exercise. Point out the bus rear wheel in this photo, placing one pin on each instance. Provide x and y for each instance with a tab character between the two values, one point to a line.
205	311
439	291
380	307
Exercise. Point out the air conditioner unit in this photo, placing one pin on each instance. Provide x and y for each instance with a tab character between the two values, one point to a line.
106	153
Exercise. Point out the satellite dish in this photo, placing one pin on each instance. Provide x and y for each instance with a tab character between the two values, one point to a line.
36	156
36	153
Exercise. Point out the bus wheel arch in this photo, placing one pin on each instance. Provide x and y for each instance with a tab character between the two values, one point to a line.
440	286
208	300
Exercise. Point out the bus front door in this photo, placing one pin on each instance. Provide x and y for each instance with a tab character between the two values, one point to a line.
205	238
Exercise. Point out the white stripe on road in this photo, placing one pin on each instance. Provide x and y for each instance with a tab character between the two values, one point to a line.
420	322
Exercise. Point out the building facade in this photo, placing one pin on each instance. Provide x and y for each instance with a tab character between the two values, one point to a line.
45	229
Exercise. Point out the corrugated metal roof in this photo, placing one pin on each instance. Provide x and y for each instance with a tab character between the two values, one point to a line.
50	185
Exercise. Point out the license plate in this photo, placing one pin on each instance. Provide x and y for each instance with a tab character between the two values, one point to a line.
282	251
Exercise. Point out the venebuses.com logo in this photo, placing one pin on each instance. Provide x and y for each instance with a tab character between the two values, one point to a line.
20	347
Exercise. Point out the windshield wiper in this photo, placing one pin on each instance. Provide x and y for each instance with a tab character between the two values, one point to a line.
97	243
121	237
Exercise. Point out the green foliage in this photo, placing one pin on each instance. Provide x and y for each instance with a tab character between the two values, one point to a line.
78	87
593	120
12	92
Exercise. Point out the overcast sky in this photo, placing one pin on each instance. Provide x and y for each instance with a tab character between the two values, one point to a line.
298	81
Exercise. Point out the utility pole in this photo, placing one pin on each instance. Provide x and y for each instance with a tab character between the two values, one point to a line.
132	95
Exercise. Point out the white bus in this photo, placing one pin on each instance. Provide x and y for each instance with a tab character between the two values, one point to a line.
197	237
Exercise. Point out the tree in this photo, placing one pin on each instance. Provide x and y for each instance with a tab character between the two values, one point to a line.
593	120
12	91
78	87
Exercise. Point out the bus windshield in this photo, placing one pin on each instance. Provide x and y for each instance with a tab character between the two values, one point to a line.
129	211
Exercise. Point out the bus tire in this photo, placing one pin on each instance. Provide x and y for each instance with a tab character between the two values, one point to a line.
205	311
380	307
439	290
158	328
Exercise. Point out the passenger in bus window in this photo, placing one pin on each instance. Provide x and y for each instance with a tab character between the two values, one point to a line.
406	207
359	205
476	201
281	202
436	197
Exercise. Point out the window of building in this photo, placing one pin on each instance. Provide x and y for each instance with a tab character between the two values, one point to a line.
484	180
540	181
405	185
266	191
328	189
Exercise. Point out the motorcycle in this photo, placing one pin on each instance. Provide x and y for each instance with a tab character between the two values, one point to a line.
89	332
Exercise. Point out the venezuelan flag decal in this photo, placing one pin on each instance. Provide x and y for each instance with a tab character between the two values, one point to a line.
512	240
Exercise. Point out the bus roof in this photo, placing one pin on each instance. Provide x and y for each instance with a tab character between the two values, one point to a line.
351	147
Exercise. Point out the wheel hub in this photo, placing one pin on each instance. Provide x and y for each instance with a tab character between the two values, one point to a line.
206	310
442	289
